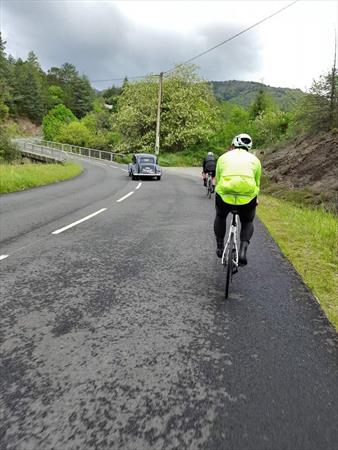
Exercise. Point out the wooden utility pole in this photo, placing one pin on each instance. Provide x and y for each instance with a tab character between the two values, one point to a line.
158	120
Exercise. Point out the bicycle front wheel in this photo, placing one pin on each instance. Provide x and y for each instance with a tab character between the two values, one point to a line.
229	265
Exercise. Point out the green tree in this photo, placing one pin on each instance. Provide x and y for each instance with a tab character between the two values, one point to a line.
30	89
54	76
110	97
81	96
188	112
8	151
232	120
267	128
55	120
270	127
55	96
98	120
74	133
262	103
111	92
136	116
318	111
78	95
5	88
32	59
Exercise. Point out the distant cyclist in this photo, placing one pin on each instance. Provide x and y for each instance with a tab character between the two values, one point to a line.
209	166
238	175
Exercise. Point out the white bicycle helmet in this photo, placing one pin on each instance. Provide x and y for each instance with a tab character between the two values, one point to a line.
242	141
210	154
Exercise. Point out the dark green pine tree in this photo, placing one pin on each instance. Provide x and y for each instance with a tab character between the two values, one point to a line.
32	59
78	94
5	81
29	90
82	96
262	103
319	109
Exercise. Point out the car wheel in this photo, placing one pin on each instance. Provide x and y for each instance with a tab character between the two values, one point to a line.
158	178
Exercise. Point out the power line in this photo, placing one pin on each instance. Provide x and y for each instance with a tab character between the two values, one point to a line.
128	78
232	37
209	49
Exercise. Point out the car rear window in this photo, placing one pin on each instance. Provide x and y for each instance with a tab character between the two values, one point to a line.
145	159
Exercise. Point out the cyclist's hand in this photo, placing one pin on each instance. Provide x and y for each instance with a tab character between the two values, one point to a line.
257	202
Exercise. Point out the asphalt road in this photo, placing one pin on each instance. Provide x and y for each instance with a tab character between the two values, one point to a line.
115	335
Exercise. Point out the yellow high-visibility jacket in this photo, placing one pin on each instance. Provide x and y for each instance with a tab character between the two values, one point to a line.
238	175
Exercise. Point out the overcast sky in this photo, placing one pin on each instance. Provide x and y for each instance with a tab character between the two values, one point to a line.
110	39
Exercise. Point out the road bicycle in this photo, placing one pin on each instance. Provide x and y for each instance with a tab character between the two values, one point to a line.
230	252
209	186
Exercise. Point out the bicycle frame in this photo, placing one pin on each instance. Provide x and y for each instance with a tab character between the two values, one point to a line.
209	185
232	231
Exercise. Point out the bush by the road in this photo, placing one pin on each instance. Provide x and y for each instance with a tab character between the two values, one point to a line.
8	151
17	177
308	238
55	120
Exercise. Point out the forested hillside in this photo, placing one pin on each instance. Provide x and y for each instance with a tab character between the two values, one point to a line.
243	93
196	115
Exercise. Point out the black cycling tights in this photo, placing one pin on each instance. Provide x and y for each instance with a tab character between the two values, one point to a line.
246	214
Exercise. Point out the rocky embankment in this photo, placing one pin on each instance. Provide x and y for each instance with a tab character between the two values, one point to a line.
308	165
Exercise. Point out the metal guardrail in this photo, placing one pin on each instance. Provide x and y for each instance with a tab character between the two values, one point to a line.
82	151
34	149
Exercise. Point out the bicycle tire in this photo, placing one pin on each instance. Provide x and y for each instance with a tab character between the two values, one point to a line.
229	264
209	187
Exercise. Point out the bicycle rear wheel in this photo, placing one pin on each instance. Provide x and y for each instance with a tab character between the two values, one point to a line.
209	191
209	187
229	265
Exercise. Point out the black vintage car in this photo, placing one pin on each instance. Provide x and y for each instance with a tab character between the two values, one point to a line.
144	165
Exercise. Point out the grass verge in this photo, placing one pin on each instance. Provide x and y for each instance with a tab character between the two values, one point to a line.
182	159
17	177
308	237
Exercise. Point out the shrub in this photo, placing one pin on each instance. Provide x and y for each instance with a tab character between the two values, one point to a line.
55	120
8	151
74	133
270	127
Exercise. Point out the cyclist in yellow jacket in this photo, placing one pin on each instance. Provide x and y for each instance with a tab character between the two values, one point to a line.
238	175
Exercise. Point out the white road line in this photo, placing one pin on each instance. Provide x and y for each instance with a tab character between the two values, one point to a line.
60	230
3	257
138	186
123	198
114	167
100	164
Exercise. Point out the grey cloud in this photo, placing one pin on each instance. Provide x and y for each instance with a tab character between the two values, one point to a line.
104	44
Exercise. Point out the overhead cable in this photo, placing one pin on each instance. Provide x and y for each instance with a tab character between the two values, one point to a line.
231	37
209	49
126	77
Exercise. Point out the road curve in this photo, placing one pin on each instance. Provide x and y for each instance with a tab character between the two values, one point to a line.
115	335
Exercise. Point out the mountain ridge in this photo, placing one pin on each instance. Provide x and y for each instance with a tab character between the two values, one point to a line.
244	92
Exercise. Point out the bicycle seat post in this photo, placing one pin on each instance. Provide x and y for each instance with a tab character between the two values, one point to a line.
234	213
